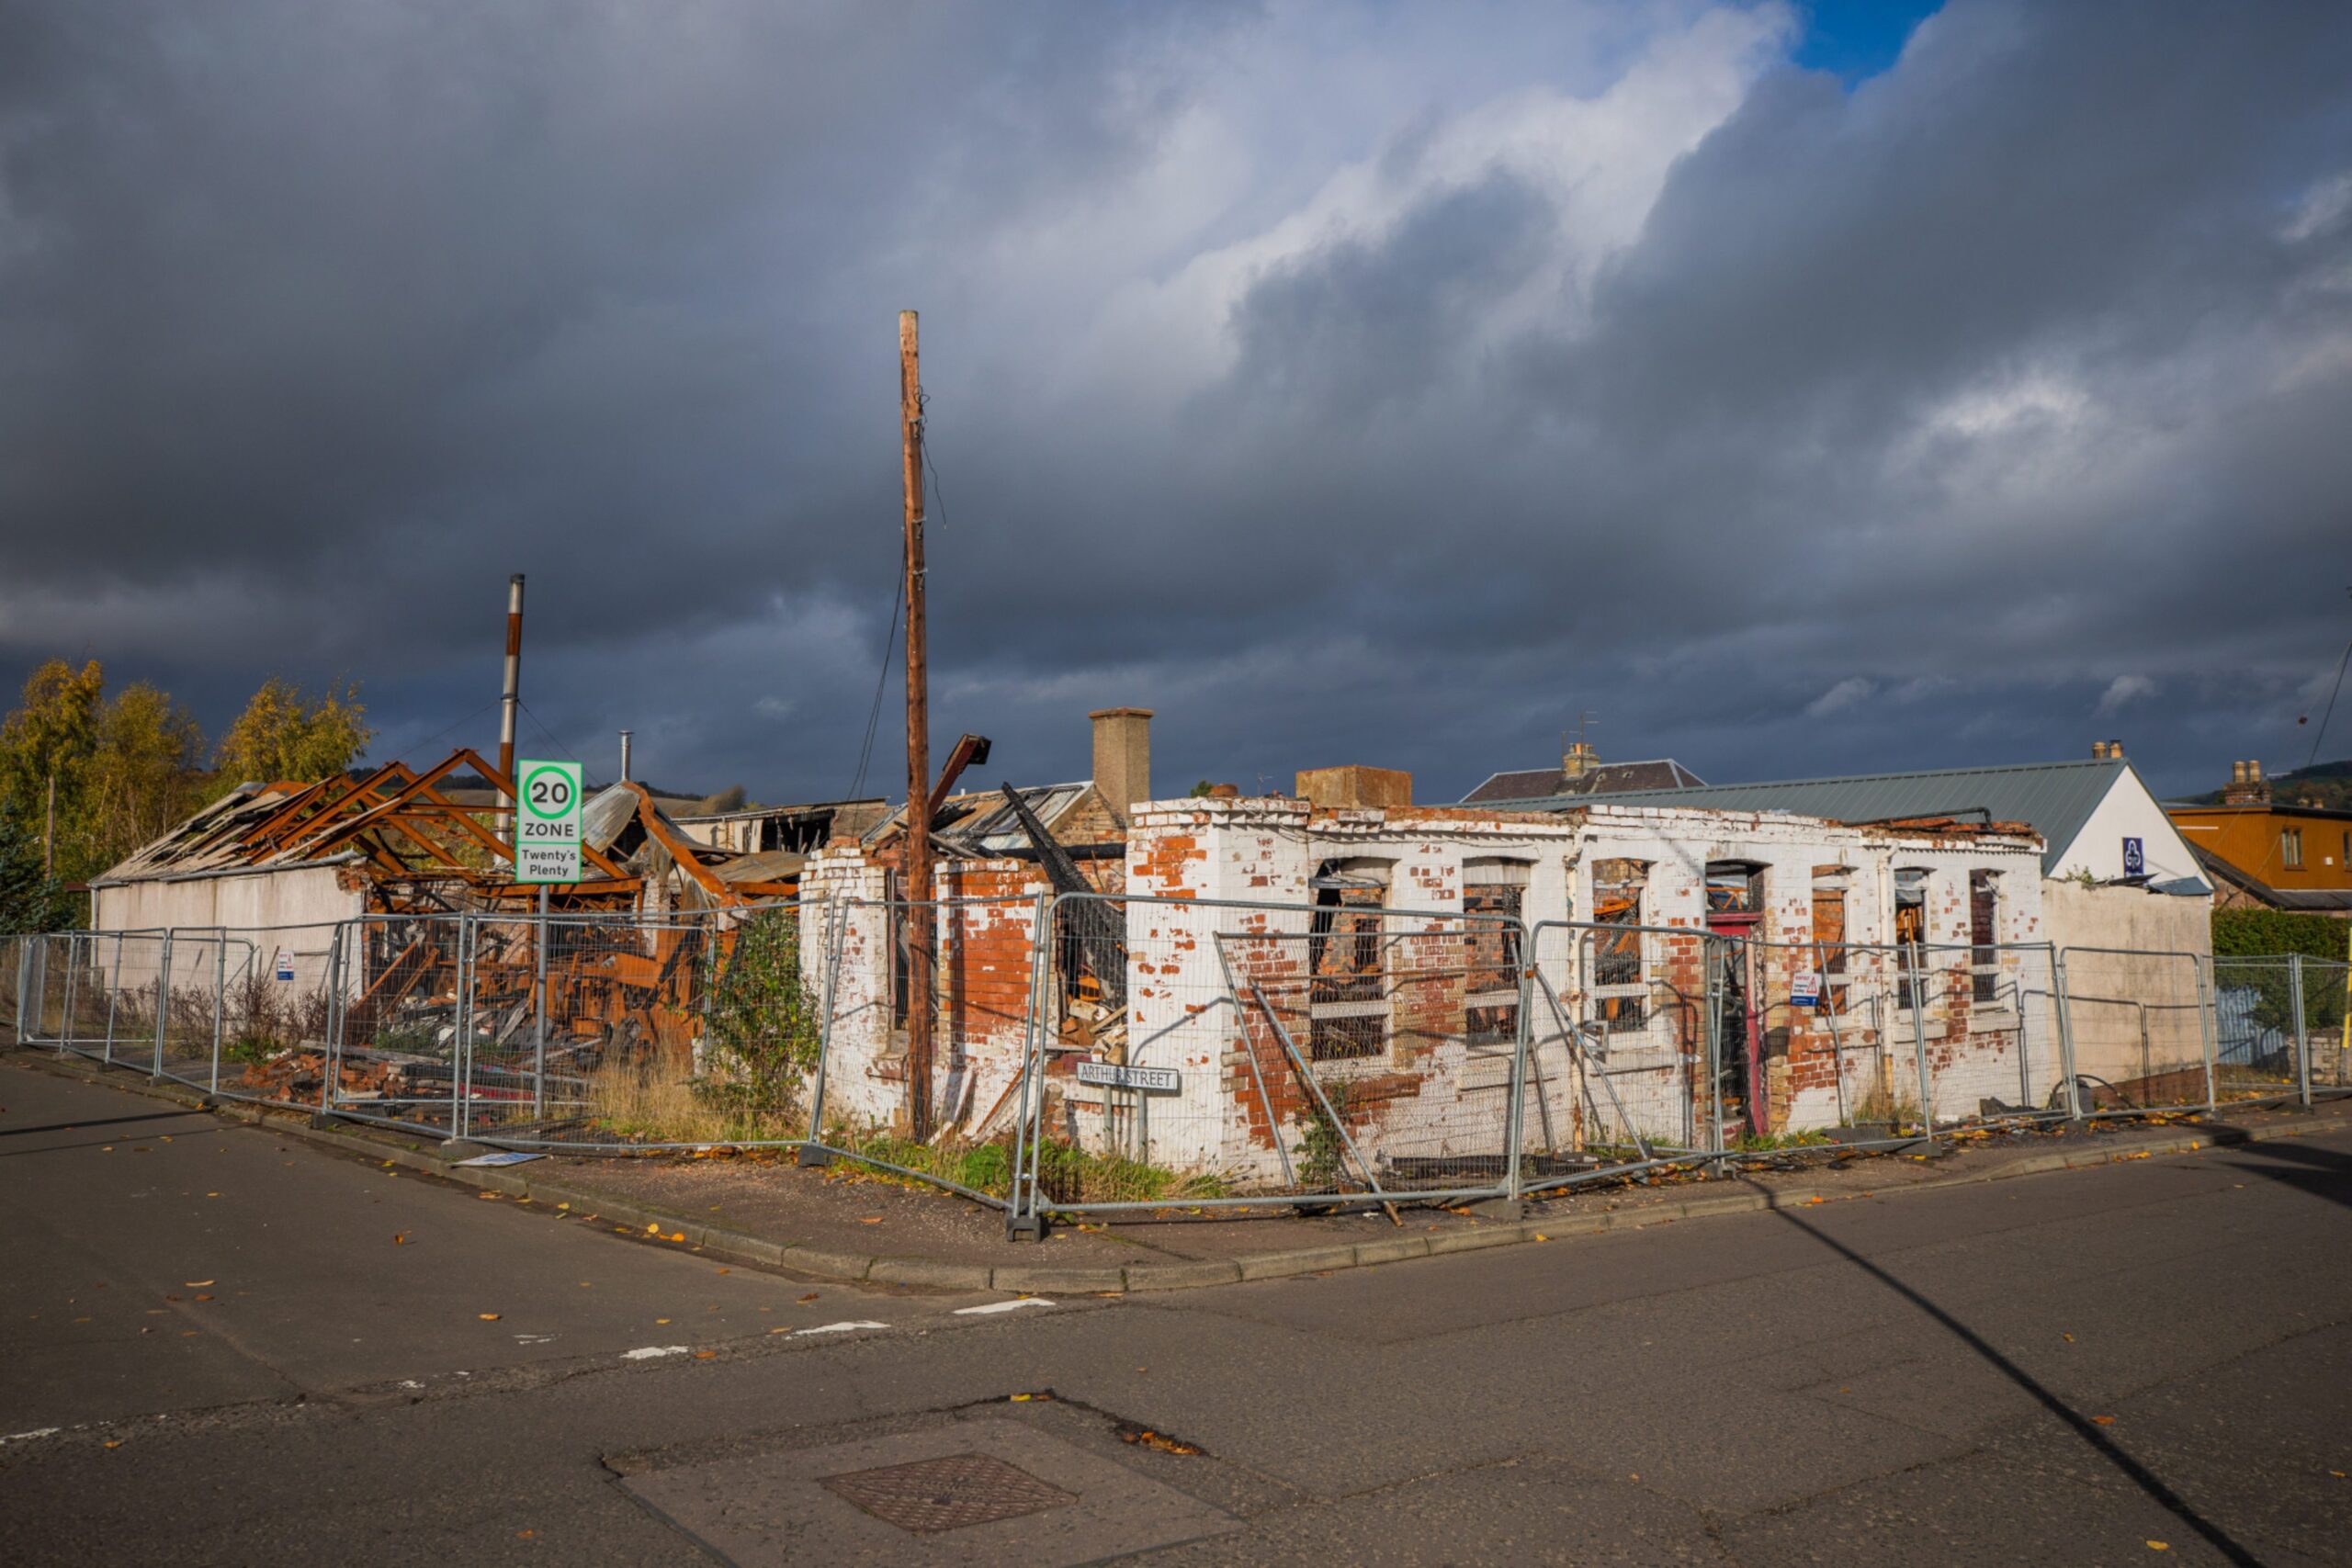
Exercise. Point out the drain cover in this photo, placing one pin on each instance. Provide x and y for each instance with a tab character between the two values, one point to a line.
949	1493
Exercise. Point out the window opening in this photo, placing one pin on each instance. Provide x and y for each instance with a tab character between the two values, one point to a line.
1984	934
1910	932
1494	894
1734	887
1347	999
2290	848
1830	885
1620	996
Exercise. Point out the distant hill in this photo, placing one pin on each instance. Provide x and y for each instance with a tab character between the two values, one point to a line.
2327	784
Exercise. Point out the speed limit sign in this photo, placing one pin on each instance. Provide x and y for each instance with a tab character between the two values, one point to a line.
546	825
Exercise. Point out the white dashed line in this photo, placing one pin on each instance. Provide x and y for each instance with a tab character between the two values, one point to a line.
840	1327
647	1352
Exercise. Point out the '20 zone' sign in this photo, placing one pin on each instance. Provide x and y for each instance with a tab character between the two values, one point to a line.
547	828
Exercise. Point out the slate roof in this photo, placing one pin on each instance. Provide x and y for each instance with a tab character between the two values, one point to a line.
1600	778
2057	798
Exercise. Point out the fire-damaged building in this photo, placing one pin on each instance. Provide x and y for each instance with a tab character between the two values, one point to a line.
279	894
1262	964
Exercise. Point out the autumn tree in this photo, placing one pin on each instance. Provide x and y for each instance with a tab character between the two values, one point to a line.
46	748
284	733
30	898
143	776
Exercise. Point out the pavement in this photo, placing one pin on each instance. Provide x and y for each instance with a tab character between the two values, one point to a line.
2143	1360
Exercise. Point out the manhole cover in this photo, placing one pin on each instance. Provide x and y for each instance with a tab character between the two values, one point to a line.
949	1493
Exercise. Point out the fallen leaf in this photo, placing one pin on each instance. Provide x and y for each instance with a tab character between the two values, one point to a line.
653	1230
2067	1337
1022	1398
198	1284
489	1316
810	1296
114	1442
525	1535
727	1270
400	1238
201	1295
779	1330
2103	1420
1541	1237
704	1355
213	1194
869	1219
660	1320
2159	1546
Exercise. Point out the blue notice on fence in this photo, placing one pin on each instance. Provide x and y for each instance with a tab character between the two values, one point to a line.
504	1157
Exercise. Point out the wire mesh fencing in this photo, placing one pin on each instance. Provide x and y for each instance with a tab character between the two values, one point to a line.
2141	1030
986	953
1210	1054
1623	1066
2323	1012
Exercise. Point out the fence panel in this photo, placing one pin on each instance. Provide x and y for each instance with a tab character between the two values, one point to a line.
1621	1049
630	1033
393	1035
2142	1029
1208	1054
2323	994
2257	1051
987	956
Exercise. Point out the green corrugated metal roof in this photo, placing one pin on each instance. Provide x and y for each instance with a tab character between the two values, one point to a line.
2057	798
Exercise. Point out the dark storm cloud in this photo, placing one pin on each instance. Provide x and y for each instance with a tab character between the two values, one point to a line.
1372	391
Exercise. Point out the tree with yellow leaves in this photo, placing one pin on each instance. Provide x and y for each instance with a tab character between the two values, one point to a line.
284	733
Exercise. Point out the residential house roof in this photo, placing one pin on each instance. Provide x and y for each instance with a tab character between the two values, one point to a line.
1598	778
2057	798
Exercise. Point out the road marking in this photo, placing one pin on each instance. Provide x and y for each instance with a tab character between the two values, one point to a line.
1003	1307
36	1432
841	1327
648	1352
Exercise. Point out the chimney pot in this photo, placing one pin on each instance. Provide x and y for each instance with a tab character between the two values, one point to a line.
1123	758
2254	771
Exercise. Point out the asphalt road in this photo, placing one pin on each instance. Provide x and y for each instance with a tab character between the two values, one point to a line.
217	1353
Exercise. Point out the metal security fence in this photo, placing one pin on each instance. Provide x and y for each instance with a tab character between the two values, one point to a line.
2142	1029
1096	1053
988	954
1218	1054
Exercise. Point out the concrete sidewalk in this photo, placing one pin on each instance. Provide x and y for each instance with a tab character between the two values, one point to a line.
845	1223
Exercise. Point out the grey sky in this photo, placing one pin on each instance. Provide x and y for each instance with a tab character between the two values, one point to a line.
1350	384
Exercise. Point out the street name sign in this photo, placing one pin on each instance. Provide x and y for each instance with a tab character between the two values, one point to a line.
547	822
1109	1075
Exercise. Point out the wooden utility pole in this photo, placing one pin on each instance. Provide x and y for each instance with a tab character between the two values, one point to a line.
921	931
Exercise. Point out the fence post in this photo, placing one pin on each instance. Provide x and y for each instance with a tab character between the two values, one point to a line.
162	1000
331	1047
2302	1035
114	989
836	912
1513	1130
1711	965
1919	993
461	1049
65	1019
220	1004
1022	1218
2065	1036
2209	1036
24	981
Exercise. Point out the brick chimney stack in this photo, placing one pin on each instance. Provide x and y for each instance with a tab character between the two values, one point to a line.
1123	756
1578	760
2247	787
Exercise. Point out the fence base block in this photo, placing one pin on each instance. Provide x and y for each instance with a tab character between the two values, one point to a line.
455	1149
1500	1208
811	1158
1024	1227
